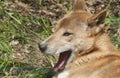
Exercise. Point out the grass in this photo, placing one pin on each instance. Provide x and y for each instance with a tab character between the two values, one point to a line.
114	22
15	27
28	30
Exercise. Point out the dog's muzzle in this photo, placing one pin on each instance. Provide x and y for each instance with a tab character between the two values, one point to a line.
42	47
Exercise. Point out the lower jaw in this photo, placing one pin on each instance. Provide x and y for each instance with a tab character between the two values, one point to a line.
62	62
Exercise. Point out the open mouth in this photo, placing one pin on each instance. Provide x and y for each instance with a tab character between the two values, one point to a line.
62	61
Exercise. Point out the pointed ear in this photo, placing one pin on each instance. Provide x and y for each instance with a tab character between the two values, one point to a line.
79	5
98	18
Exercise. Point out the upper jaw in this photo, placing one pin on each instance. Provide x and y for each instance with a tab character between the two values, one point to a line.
55	50
64	55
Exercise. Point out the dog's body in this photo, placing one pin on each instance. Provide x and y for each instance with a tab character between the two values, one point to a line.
84	47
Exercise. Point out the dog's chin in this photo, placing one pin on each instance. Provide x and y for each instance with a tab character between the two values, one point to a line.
62	61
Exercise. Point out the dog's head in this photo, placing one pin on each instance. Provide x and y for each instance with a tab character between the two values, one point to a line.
75	33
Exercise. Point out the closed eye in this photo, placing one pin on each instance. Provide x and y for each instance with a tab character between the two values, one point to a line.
67	34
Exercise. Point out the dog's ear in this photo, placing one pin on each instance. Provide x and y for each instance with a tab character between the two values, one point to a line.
95	23
79	5
98	18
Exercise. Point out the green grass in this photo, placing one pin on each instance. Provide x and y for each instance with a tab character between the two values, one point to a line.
16	27
114	22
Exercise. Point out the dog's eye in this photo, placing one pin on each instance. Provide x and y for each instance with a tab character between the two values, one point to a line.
67	34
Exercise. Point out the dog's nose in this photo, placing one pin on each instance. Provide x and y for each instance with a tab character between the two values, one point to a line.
43	47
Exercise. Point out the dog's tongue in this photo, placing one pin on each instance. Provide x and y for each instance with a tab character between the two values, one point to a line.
62	61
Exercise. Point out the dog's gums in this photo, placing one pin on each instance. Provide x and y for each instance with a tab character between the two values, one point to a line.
63	58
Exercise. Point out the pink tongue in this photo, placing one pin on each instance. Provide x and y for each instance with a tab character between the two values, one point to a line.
62	61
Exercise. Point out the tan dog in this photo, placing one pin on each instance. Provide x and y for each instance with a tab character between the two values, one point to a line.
84	47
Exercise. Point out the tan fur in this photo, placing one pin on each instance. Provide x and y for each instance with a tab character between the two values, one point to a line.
94	56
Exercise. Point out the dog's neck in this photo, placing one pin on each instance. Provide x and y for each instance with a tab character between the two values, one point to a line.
104	44
102	47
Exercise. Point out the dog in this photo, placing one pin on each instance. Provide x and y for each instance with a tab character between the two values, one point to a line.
83	45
